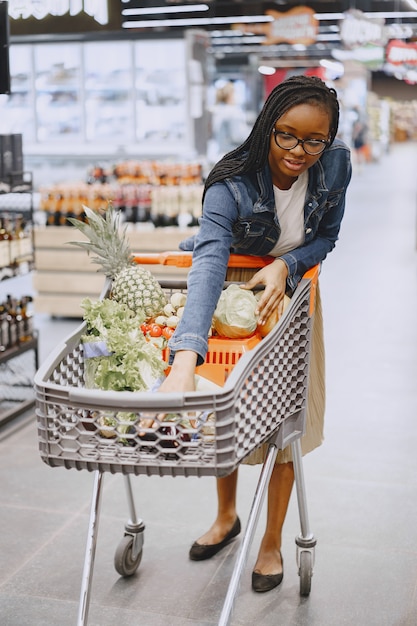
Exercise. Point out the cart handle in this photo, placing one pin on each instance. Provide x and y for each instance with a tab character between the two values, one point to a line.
313	276
184	259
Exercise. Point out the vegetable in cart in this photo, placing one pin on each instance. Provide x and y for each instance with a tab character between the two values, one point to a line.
132	285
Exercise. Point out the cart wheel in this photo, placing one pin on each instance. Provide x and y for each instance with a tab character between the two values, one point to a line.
124	564
305	572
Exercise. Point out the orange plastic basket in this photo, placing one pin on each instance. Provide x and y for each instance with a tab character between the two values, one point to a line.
223	353
222	356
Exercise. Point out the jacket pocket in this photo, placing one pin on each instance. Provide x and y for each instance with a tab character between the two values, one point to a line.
254	236
332	200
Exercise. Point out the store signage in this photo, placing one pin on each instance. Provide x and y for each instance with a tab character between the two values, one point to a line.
24	9
357	30
371	56
399	31
401	54
296	26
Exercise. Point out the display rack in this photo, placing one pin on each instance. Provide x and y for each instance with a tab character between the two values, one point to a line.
17	369
16	197
19	362
140	98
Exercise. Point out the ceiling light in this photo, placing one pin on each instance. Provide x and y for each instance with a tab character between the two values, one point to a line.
189	8
391	15
205	21
266	70
218	41
372	14
329	16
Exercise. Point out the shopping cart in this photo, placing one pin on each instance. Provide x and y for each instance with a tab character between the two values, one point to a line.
209	433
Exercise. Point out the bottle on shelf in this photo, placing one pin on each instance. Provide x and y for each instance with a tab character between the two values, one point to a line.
4	245
131	186
4	340
12	335
16	324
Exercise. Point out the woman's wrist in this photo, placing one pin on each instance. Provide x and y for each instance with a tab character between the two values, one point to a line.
181	376
184	365
281	262
185	359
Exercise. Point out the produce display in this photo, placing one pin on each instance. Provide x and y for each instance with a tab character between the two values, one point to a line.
162	193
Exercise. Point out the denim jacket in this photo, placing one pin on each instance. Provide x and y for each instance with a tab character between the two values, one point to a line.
239	216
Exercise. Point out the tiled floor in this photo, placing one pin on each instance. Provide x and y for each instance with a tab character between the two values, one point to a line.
361	484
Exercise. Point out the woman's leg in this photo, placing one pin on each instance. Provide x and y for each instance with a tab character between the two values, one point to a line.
279	492
226	510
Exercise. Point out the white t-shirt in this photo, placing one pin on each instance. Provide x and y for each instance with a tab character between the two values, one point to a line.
289	205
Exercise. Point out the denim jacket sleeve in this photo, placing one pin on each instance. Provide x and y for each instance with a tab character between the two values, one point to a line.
208	272
325	206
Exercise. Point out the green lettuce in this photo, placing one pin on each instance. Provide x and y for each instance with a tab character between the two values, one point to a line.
101	315
128	362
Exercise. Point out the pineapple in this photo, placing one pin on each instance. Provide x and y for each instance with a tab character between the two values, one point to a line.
132	285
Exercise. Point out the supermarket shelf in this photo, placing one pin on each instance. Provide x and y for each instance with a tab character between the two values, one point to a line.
11	365
65	274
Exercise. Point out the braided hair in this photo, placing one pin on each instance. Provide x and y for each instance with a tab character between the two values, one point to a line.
252	155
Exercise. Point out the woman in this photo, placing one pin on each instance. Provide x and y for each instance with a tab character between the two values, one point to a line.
281	193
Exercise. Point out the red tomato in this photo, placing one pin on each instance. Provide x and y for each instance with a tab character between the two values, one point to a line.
167	332
155	330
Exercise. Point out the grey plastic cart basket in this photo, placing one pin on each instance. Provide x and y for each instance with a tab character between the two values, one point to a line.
265	391
263	399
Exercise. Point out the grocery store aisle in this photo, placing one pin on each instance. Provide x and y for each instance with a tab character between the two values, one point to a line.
361	484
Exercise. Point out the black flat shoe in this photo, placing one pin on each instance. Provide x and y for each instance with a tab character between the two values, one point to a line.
266	582
201	552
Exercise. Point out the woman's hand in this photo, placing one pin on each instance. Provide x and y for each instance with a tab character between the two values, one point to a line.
182	374
180	378
274	277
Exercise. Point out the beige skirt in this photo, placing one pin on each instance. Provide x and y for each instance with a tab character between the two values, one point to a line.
313	436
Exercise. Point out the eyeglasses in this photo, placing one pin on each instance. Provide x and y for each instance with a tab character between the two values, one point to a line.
286	141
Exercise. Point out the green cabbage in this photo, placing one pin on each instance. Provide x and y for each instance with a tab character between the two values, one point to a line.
235	315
